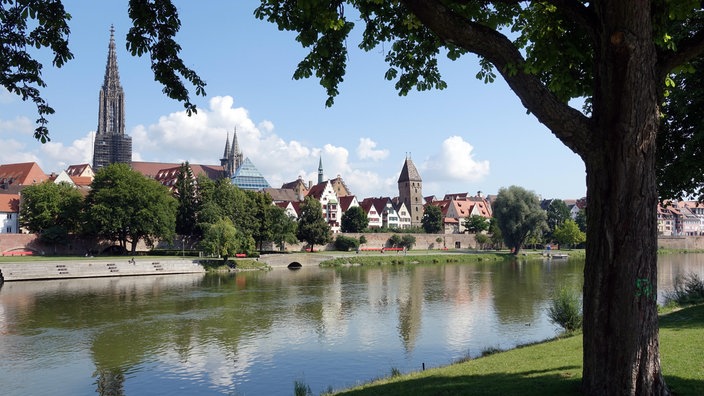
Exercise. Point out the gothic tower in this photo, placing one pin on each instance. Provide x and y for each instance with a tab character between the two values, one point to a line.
232	158
320	170
111	144
410	191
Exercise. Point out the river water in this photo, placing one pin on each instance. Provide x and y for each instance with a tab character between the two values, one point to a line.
255	333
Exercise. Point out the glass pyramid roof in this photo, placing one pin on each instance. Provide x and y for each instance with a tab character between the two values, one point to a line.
247	177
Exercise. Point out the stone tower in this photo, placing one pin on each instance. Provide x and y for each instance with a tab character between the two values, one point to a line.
410	191
111	144
232	158
320	170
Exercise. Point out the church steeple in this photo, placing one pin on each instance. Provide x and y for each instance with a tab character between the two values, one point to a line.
232	157
111	143
320	170
236	153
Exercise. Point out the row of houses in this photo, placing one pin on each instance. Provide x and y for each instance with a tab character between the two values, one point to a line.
333	194
674	218
681	218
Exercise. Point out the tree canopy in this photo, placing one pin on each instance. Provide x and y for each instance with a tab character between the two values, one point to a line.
125	206
354	220
48	205
312	227
518	214
476	223
432	219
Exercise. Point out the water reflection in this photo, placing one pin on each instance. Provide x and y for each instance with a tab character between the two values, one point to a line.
256	333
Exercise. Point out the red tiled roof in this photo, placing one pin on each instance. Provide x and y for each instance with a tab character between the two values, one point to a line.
24	174
9	203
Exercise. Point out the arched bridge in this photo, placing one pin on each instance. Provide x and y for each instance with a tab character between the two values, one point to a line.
294	260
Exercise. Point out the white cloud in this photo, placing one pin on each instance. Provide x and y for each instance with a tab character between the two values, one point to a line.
366	150
19	126
201	139
60	156
455	162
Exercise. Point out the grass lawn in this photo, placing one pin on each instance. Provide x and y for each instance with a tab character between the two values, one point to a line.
553	368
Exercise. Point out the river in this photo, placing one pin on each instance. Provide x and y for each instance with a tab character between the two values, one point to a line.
255	333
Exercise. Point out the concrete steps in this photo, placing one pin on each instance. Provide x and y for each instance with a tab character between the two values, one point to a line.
36	270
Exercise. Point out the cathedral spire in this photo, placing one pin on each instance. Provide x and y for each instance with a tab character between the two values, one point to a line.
236	153
111	144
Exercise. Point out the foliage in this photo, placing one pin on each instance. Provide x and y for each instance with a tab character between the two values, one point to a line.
49	205
680	140
222	239
259	216
127	207
354	220
518	214
345	243
497	238
186	195
312	227
565	310
432	219
557	213
300	388
689	290
481	240
44	24
394	240
568	233
581	220
476	223
407	241
362	239
282	227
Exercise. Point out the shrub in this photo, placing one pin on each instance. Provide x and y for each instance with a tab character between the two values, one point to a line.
565	310
689	289
362	239
345	243
301	389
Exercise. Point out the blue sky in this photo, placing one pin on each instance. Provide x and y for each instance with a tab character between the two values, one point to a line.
469	137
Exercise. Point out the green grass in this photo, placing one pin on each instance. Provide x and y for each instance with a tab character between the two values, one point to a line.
552	368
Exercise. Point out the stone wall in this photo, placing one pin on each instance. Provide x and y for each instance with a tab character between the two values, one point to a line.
681	242
377	240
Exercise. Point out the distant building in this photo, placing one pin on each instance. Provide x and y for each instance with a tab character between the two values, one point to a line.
232	158
248	177
111	144
410	191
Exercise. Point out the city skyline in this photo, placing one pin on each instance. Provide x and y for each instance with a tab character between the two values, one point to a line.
470	137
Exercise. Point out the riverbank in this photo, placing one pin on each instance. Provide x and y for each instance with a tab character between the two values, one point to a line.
90	267
551	368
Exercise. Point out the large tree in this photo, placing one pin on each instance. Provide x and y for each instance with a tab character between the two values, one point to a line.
432	219
125	206
312	227
615	54
518	214
186	194
48	205
354	220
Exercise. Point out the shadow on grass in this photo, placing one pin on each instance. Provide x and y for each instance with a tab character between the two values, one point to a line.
556	381
686	318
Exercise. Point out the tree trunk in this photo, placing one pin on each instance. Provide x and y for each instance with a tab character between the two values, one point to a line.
621	351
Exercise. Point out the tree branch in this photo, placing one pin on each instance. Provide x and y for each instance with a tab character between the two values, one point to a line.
568	124
687	50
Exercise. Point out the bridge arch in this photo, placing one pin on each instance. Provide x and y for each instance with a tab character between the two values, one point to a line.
294	265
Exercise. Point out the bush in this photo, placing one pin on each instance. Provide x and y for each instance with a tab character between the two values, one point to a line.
566	310
362	239
345	243
689	289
